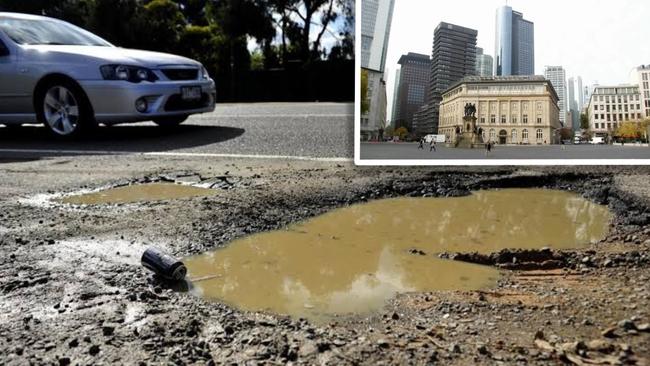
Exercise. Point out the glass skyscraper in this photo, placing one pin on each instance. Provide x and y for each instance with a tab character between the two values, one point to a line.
557	76
514	45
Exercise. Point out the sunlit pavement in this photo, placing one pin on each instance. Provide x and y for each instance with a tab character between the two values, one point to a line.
312	130
390	151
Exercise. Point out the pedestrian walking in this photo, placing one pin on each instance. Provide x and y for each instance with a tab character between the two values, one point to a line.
488	148
432	145
421	146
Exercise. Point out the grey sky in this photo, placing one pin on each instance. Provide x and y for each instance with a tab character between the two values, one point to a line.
600	40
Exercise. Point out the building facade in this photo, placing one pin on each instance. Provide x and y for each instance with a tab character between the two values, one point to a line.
573	107
376	18
643	73
514	44
453	57
413	87
395	110
509	110
581	95
557	76
610	106
484	63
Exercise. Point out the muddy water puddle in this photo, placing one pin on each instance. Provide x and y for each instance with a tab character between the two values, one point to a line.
139	193
353	259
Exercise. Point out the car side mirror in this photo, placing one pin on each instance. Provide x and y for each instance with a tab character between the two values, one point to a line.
4	51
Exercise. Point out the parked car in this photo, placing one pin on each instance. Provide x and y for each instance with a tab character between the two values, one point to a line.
68	79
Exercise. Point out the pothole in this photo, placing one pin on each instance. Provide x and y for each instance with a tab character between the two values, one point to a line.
353	259
139	193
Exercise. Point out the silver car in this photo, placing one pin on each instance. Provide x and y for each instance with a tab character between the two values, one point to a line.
69	79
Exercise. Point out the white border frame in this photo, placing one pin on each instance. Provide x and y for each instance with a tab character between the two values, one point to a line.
459	162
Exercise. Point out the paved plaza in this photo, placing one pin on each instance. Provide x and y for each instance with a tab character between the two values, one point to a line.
410	151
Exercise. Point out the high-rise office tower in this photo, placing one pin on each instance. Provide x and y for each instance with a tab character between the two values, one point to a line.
453	57
376	18
413	87
515	44
573	106
557	76
581	95
395	111
484	63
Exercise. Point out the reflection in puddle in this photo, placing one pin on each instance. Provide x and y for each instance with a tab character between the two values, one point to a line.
139	193
353	259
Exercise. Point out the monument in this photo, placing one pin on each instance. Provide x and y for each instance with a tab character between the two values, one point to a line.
469	136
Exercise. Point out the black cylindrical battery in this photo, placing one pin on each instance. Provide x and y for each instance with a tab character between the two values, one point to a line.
163	264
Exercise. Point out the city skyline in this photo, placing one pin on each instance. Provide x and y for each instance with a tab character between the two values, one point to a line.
585	22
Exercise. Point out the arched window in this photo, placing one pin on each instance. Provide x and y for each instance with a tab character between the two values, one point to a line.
540	135
524	135
513	136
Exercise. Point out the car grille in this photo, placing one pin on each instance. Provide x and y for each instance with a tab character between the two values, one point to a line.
176	103
181	74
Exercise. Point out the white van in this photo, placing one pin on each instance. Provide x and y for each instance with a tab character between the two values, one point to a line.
437	138
597	140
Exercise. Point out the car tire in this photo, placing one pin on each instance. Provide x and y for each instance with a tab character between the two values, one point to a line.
168	122
63	108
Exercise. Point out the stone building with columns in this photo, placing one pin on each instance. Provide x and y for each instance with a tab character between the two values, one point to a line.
517	110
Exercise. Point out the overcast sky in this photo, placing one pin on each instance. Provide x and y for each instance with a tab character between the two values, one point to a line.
600	40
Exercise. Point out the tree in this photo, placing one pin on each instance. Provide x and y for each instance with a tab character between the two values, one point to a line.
401	132
301	33
365	102
164	25
389	131
629	130
257	61
566	133
584	121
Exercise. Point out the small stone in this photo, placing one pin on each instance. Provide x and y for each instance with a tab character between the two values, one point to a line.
627	324
600	345
382	343
609	332
93	350
454	348
108	330
645	327
482	349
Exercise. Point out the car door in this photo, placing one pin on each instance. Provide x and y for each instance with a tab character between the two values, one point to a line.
6	67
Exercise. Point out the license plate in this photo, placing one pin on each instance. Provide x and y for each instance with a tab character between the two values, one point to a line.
190	92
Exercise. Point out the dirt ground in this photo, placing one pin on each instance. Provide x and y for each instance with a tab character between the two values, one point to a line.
72	290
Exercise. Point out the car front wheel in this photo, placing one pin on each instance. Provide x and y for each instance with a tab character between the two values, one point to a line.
170	121
64	110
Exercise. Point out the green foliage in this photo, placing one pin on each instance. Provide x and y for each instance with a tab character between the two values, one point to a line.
203	43
164	25
584	121
257	61
389	131
365	103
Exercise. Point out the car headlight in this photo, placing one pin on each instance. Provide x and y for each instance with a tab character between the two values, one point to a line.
133	74
204	73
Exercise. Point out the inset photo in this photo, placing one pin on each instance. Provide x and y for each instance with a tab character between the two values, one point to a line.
503	83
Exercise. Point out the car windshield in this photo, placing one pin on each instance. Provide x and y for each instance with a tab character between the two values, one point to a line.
52	32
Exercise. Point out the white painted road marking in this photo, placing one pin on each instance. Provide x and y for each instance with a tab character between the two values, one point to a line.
174	154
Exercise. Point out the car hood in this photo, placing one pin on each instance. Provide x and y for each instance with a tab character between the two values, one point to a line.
111	55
